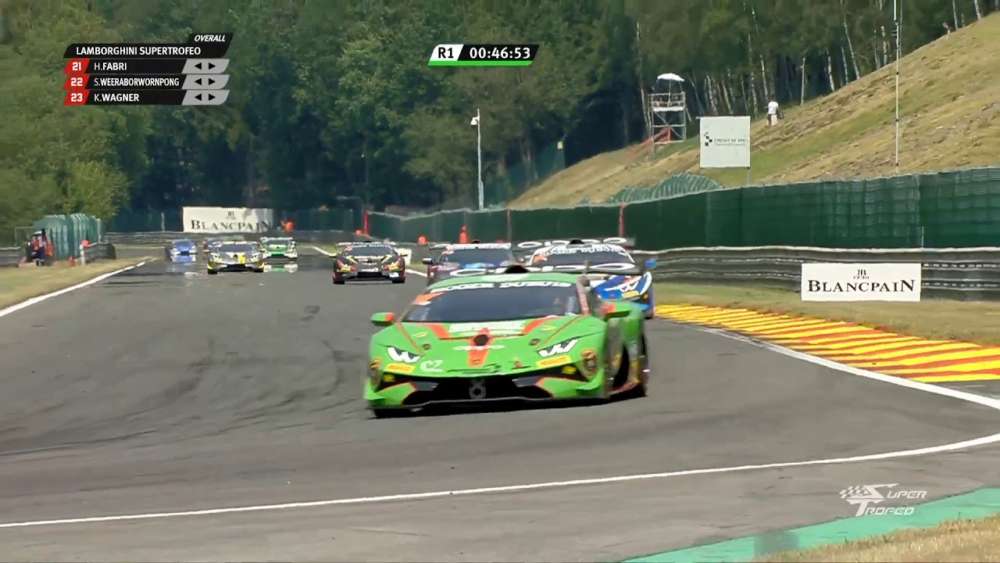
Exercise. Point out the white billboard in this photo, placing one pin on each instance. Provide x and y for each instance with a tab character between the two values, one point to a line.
725	142
227	220
860	282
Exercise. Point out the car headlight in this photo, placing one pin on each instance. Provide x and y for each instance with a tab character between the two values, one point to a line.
393	266
398	355
214	257
560	348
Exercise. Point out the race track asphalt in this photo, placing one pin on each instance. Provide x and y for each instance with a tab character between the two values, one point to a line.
158	391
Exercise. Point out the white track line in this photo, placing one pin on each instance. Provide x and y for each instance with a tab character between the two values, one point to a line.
408	270
29	302
944	391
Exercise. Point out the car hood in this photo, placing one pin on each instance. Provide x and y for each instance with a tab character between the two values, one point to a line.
623	286
465	349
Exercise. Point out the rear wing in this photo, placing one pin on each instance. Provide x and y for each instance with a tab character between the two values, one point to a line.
525	248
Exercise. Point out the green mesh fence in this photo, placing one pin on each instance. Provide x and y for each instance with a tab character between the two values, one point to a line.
960	208
676	185
594	221
319	219
141	220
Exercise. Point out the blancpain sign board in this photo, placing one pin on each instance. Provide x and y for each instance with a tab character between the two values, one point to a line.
725	142
227	220
861	282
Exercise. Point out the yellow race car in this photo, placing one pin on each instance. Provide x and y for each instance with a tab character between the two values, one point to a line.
236	256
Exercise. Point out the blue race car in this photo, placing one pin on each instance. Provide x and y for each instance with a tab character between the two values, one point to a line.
182	251
474	259
613	272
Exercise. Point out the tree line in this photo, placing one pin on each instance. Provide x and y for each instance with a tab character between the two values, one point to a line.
334	100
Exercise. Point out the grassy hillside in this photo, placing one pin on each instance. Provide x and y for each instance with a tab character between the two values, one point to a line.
950	107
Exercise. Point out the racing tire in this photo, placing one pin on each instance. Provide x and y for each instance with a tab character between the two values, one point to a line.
338	282
213	272
388	413
642	389
399	280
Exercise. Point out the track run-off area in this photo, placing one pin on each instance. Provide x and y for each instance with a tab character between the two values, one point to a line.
162	414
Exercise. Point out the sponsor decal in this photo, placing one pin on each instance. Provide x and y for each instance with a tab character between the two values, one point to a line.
590	249
400	368
868	497
860	282
497	327
431	366
554	361
501	285
529	244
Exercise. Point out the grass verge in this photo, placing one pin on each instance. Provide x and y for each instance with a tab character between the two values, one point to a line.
972	321
18	284
957	540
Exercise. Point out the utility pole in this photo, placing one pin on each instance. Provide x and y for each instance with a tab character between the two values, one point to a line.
479	157
896	17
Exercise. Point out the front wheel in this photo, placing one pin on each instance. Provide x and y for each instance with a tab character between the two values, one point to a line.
640	390
338	282
212	272
399	280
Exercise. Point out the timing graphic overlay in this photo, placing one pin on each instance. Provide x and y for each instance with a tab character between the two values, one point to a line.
482	55
176	74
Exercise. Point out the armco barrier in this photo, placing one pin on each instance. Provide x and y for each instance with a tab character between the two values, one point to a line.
968	273
11	256
162	238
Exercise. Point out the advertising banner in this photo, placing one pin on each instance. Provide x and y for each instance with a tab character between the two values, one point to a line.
725	142
860	282
227	220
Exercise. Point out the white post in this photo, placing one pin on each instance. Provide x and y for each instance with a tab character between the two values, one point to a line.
895	19
83	255
479	156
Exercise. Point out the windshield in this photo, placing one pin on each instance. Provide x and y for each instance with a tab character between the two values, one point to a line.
595	258
369	251
237	248
183	243
485	301
494	256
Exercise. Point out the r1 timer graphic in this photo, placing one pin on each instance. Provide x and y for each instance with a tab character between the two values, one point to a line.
179	74
482	55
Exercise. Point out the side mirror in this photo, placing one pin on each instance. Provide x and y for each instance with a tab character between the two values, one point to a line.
650	263
383	319
427	261
612	310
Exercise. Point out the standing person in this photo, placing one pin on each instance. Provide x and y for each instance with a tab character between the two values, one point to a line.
772	113
463	235
50	249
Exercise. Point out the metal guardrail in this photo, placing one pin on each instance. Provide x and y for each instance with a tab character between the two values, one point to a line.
162	238
962	273
100	251
11	255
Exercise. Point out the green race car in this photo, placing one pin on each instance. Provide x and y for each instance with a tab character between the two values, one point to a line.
279	248
512	336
